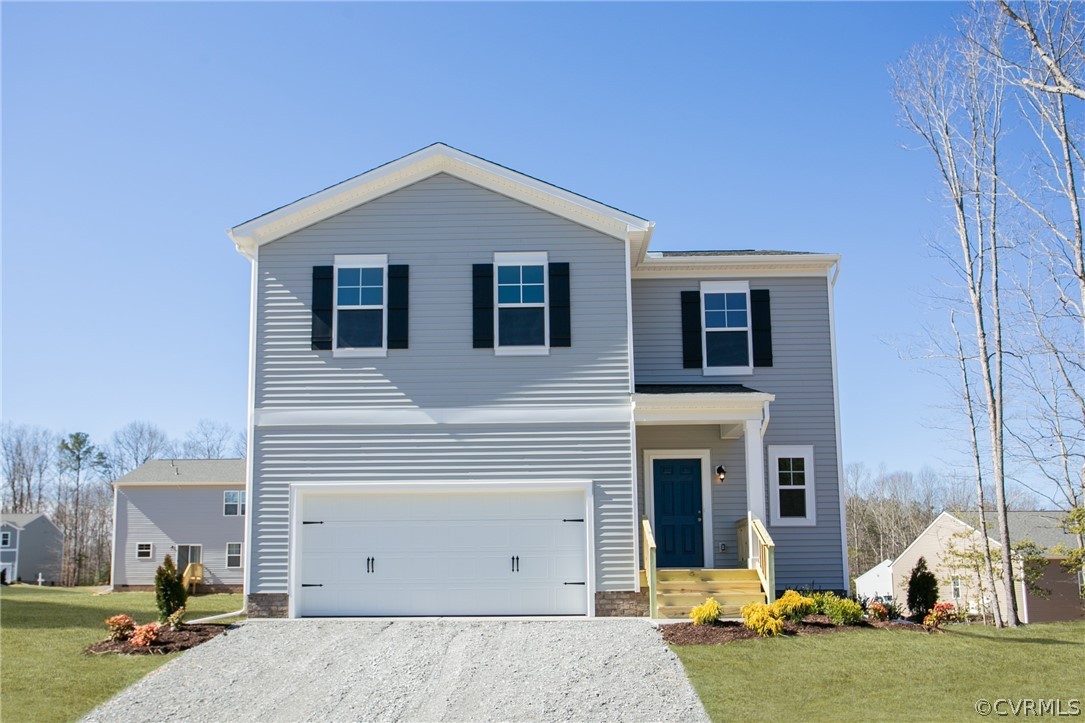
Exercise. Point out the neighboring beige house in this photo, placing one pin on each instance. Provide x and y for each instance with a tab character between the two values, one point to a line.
952	548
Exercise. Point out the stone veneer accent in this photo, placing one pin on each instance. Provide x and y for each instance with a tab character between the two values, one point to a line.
269	605
621	604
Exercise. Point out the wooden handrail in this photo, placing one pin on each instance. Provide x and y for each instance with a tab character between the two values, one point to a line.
649	541
755	545
193	575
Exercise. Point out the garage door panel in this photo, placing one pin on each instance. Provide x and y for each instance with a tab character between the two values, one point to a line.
442	554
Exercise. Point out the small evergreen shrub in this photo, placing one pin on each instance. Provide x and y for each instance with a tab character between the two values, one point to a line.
169	590
706	613
120	627
822	601
176	620
922	589
893	611
793	606
842	611
144	635
762	619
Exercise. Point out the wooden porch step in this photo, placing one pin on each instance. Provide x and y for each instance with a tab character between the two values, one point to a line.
681	612
706	575
726	600
711	587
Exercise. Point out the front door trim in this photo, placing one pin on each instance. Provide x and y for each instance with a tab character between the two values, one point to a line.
650	455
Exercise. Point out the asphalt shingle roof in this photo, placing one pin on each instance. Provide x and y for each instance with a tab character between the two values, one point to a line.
22	520
190	471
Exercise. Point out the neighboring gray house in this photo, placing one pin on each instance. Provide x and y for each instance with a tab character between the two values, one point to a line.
468	386
191	509
30	545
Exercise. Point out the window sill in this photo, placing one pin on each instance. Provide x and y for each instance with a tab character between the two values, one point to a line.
727	371
522	351
359	353
793	522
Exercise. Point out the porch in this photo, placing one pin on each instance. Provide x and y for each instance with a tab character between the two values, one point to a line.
701	493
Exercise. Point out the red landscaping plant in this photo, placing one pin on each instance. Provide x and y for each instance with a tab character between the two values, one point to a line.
144	635
120	627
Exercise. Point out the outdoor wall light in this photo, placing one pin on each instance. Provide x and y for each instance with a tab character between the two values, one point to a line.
721	473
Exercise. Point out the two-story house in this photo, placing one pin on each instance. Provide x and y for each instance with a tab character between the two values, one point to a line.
473	392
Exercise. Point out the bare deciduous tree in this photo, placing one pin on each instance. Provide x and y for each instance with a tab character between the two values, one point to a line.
209	440
134	444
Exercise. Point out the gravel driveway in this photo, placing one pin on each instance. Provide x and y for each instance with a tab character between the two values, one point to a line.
418	670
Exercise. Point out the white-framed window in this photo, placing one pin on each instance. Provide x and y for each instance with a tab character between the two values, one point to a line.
727	343
955	584
521	314
5	539
360	321
144	551
233	503
791	481
233	554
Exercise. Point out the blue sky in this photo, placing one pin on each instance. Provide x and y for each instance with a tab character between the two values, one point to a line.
135	134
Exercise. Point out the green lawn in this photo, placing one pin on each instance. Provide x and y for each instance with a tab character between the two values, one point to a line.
44	675
887	674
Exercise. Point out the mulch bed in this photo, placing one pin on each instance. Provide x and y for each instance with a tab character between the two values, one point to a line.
730	631
169	641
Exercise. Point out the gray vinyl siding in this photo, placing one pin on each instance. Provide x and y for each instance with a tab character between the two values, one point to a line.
9	554
440	227
171	516
728	498
803	414
41	550
460	453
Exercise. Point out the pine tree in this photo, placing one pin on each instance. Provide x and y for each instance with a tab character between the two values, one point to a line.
922	589
169	589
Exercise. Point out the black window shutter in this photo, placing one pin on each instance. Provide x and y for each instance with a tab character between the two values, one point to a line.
691	330
399	285
761	327
323	306
483	294
561	323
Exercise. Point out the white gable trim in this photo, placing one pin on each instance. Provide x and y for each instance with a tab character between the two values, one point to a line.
434	159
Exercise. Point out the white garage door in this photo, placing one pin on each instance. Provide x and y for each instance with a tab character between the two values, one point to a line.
442	553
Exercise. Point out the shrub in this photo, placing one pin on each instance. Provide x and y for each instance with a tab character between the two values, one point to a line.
176	620
893	611
922	589
877	611
822	601
169	590
144	635
120	627
941	614
706	613
842	611
762	619
793	606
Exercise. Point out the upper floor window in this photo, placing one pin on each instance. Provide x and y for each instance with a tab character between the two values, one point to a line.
521	309
5	539
791	477
361	314
233	503
726	322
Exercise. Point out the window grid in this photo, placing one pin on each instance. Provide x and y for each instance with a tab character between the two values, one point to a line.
233	503
144	551
233	554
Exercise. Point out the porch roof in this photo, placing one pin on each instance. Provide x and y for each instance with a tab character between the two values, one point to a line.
698	403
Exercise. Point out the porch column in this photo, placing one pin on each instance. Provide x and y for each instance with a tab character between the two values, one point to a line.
755	470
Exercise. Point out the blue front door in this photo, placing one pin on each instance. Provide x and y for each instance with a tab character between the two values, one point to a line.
676	487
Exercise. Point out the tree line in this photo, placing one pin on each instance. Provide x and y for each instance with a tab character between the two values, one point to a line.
69	476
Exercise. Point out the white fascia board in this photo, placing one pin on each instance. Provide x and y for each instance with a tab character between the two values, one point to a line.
240	484
695	408
738	266
434	159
